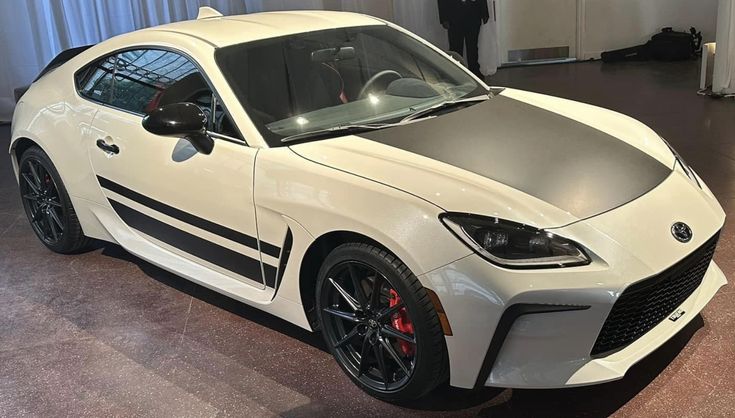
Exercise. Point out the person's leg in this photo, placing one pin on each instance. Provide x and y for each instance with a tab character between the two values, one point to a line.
472	36
456	38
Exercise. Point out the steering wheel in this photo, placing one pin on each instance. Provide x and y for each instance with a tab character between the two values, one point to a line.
385	77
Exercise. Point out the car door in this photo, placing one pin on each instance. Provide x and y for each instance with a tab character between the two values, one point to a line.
195	205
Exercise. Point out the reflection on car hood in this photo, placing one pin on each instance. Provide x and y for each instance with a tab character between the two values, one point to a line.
555	168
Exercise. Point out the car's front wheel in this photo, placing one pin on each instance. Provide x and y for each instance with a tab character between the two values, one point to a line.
48	205
380	324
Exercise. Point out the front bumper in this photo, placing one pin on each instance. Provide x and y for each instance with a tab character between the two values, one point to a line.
552	347
543	339
614	366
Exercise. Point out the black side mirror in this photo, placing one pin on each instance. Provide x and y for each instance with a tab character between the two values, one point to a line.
185	120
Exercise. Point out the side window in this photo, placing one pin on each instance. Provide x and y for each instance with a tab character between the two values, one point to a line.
149	78
142	80
96	81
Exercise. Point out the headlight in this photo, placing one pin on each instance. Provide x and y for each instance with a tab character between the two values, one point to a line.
513	245
684	166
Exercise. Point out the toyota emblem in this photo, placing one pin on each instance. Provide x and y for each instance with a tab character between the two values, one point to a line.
681	232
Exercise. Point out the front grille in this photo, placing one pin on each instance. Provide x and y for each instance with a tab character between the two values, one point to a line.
645	304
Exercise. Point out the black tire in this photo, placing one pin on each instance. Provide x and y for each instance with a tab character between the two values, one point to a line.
47	204
425	363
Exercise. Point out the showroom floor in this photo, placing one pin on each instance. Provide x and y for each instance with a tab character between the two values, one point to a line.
105	333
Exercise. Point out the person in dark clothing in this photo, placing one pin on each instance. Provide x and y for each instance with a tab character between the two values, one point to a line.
462	19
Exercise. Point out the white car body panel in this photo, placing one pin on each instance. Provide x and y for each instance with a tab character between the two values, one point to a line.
392	196
324	203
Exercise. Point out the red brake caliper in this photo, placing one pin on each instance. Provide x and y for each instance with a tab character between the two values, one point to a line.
401	323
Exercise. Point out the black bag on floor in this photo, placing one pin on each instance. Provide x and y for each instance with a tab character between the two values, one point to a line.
635	53
668	45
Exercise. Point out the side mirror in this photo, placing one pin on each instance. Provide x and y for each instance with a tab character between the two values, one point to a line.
182	120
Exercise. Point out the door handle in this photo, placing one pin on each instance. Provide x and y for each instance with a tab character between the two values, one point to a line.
110	148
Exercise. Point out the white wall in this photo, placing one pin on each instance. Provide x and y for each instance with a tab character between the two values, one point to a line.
615	24
530	24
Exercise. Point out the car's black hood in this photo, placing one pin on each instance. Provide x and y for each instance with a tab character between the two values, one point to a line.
571	166
576	168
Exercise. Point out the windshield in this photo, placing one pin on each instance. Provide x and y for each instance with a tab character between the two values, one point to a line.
316	81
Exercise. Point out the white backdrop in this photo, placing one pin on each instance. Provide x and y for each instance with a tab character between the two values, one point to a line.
32	32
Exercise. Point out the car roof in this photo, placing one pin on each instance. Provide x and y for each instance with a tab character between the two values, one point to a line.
220	31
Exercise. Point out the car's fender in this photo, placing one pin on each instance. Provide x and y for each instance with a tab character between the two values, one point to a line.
323	200
49	116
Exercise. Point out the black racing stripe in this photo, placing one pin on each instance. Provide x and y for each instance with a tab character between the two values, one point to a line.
285	253
206	250
194	220
270	249
564	162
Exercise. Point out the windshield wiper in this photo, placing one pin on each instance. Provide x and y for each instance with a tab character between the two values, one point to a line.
356	128
339	129
444	105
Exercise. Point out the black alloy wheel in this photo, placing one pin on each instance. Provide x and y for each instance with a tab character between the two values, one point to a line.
361	309
41	198
374	326
47	204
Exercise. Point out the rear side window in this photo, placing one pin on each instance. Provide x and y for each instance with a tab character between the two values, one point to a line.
95	82
139	81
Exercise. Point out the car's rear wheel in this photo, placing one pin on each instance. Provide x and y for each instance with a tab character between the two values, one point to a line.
379	323
47	204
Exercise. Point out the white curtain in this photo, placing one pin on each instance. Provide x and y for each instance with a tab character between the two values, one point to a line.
32	32
379	8
266	5
723	81
422	18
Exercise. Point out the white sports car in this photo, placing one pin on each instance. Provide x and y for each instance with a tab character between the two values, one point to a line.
343	174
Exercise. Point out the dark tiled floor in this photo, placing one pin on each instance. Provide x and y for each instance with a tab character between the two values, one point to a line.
104	333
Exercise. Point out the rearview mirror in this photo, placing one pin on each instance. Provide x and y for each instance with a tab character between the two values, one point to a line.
333	54
181	120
